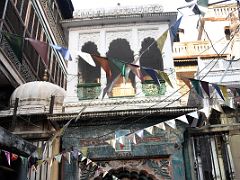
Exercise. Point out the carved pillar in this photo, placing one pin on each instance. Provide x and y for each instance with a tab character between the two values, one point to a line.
72	78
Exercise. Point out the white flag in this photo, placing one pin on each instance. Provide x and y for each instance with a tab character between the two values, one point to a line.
149	129
160	126
193	114
183	118
171	123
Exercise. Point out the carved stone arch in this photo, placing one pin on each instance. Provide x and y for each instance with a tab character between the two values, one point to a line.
120	50
126	173
151	55
89	74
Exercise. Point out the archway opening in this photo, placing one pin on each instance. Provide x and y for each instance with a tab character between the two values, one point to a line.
151	56
120	50
88	73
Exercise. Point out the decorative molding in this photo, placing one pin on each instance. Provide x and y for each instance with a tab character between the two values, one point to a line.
88	37
123	11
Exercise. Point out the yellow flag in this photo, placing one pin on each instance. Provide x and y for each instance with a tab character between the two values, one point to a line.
84	151
224	91
161	40
165	77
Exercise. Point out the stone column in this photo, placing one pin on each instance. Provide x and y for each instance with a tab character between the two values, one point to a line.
72	68
135	46
103	50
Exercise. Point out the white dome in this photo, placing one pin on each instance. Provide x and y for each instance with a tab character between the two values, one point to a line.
38	93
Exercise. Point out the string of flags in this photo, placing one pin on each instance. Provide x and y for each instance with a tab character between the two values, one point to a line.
17	42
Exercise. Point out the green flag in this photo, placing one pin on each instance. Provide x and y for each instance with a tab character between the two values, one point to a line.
16	43
120	65
161	40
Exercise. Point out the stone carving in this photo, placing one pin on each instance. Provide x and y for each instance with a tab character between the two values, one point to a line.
159	168
88	37
110	36
119	11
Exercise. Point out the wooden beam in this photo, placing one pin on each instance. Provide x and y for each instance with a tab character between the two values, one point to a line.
15	144
214	129
32	135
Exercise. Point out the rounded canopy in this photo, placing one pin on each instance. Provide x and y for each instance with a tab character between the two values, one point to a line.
38	93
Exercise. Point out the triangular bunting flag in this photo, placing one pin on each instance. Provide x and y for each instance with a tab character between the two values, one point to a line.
63	51
140	133
153	74
206	111
86	57
84	151
104	64
120	65
132	138
165	77
171	123
217	106
16	43
83	158
196	84
149	129
112	142
110	85
136	70
14	157
218	90
193	114
41	47
161	40
183	118
205	86
194	123
7	154
67	155
224	91
58	158
174	28
88	161
160	126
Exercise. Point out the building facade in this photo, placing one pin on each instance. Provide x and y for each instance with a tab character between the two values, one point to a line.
38	20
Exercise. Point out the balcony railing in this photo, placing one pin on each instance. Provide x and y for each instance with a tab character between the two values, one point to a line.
150	88
221	11
88	90
198	48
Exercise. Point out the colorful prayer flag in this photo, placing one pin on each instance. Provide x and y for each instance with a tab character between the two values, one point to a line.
153	74
174	28
104	64
161	40
41	48
205	86
218	90
16	43
165	77
63	51
171	123
87	58
196	84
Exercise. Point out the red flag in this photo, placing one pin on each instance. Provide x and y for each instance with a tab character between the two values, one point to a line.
41	48
104	64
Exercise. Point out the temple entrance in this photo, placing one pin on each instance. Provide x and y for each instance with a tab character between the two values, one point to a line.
127	174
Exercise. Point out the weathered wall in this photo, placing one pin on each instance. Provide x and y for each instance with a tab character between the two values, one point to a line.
152	148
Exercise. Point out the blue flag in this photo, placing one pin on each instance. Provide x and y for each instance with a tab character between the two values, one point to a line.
153	74
218	90
174	28
63	51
